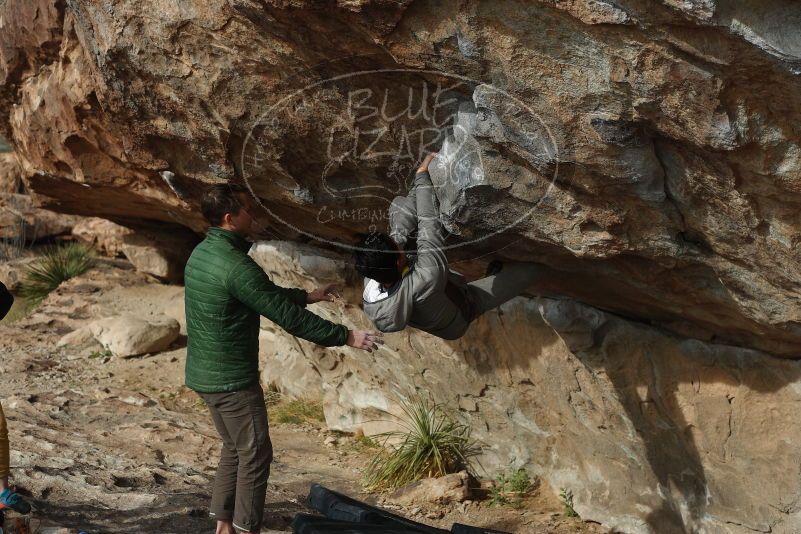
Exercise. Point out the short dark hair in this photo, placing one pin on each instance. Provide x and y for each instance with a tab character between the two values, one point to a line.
376	257
220	199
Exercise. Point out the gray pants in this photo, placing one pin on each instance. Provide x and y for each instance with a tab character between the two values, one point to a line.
241	482
481	296
492	291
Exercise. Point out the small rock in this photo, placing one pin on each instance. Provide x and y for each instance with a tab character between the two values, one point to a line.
442	490
137	399
76	338
331	441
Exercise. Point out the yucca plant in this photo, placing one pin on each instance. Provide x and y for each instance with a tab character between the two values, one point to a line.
431	444
57	265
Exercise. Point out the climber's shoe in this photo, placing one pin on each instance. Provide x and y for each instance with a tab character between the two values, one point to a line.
494	267
10	500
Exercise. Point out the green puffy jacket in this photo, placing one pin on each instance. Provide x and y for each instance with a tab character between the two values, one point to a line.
226	292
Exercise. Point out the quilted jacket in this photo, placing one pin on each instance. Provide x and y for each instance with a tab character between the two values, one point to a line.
226	292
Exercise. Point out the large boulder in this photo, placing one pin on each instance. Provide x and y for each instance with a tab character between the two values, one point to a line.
652	432
646	151
162	252
128	335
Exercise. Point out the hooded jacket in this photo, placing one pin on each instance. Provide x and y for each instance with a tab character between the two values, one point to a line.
428	297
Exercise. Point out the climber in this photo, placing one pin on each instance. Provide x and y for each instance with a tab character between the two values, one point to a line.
226	292
426	295
9	500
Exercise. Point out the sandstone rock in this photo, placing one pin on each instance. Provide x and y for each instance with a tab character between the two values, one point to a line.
22	221
162	253
640	149
12	271
442	490
10	173
105	236
653	433
128	335
158	254
77	338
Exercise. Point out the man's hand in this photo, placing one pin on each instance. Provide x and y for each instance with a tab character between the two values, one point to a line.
427	161
327	293
364	339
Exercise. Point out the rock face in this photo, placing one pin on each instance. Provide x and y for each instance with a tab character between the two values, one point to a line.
647	151
652	432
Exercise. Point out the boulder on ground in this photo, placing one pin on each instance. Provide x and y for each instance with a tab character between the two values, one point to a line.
127	335
446	489
161	252
77	338
22	221
101	234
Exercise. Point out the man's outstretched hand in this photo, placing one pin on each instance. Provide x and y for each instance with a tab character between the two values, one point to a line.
364	339
326	293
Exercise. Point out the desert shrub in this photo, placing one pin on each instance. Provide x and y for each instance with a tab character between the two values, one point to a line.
566	496
57	265
431	444
510	488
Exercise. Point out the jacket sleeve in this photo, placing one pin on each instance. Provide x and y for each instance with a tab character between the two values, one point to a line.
6	300
403	217
249	284
431	267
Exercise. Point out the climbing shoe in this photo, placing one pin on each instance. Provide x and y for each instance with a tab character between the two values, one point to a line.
14	501
494	267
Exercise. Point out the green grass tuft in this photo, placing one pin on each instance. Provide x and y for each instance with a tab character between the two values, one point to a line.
566	497
510	488
432	444
295	411
57	265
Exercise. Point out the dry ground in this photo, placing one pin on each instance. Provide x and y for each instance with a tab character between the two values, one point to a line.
113	445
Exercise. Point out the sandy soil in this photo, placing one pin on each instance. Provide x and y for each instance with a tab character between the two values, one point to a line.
112	445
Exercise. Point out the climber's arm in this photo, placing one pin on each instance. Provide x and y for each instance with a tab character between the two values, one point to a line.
432	264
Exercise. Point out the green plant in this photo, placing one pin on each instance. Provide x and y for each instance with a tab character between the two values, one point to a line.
105	353
296	411
510	488
56	266
431	444
566	496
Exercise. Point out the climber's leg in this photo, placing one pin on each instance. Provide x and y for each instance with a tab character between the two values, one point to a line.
492	291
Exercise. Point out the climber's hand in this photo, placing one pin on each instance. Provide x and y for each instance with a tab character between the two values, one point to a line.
364	339
426	161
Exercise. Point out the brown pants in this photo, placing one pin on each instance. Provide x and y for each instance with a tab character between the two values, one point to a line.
241	482
4	454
